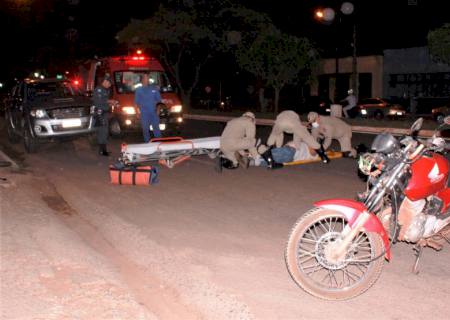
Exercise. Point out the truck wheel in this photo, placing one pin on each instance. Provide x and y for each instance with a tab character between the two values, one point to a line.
115	129
12	136
92	139
30	143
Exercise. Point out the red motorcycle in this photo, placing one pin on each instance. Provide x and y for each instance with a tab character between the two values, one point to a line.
336	250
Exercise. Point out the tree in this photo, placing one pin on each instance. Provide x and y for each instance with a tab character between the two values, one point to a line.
439	43
279	59
181	41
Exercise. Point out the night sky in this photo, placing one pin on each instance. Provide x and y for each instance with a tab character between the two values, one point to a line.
33	28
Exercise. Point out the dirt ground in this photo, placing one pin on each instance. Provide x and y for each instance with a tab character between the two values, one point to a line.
198	245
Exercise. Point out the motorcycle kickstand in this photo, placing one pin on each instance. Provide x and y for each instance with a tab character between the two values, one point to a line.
417	253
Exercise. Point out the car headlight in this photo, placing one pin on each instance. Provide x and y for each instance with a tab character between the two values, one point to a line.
176	108
129	110
363	111
396	112
38	113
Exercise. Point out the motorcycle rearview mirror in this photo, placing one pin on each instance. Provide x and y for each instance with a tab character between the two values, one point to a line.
417	125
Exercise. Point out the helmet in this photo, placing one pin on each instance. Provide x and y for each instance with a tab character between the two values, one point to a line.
249	114
350	91
385	143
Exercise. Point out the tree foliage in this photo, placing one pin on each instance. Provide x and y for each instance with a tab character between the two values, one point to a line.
179	39
278	58
439	43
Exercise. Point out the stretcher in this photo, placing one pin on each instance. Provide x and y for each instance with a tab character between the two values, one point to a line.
331	155
169	151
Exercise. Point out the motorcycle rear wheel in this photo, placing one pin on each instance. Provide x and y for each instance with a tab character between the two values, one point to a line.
308	265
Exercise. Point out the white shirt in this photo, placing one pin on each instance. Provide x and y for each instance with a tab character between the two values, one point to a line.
351	99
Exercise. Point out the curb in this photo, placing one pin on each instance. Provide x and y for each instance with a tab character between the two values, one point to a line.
356	129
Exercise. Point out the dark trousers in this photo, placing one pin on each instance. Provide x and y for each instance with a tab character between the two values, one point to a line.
103	132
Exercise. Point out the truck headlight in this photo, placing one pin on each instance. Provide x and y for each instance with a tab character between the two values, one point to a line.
176	108
38	113
129	110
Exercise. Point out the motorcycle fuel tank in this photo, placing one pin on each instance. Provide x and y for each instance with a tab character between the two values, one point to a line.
429	175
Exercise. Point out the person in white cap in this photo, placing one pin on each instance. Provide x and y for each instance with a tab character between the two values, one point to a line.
239	137
331	128
351	103
288	121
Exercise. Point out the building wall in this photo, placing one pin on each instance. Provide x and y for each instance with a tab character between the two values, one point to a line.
365	64
411	72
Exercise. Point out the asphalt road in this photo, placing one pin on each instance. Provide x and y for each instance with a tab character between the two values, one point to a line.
201	244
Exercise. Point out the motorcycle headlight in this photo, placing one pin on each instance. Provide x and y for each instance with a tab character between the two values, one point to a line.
92	110
38	113
176	108
385	143
129	110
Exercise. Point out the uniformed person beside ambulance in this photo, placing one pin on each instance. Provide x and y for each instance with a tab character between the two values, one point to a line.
100	100
237	138
147	98
289	122
330	128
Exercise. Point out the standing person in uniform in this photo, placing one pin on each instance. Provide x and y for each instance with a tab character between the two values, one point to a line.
146	98
332	128
100	99
351	103
238	137
288	121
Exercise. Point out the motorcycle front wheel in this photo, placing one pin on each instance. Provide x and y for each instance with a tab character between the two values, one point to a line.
311	266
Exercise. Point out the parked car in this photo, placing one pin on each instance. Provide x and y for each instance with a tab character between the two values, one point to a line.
439	113
38	110
380	108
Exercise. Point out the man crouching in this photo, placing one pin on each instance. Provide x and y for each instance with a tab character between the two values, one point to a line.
239	137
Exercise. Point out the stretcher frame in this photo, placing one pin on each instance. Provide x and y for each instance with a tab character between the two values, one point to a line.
168	158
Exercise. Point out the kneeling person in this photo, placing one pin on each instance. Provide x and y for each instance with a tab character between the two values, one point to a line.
239	136
332	128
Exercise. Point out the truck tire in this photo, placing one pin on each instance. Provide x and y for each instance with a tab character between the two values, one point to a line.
115	130
30	143
13	137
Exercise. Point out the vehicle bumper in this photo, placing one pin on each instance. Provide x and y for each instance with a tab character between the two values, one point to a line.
49	128
133	123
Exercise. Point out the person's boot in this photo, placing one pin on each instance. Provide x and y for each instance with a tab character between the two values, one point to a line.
271	164
102	150
242	160
322	154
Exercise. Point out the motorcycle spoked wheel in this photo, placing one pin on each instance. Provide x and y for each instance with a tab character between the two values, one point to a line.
308	265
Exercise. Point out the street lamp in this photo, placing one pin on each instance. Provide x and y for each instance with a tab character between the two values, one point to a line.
328	15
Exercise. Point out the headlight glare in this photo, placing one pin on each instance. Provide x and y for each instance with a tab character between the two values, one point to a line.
38	113
176	108
129	110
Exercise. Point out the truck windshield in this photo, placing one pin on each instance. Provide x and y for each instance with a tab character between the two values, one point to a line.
57	89
128	81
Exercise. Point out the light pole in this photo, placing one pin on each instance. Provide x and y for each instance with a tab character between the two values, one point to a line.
329	15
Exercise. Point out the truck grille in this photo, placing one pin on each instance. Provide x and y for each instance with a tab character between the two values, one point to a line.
68	113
